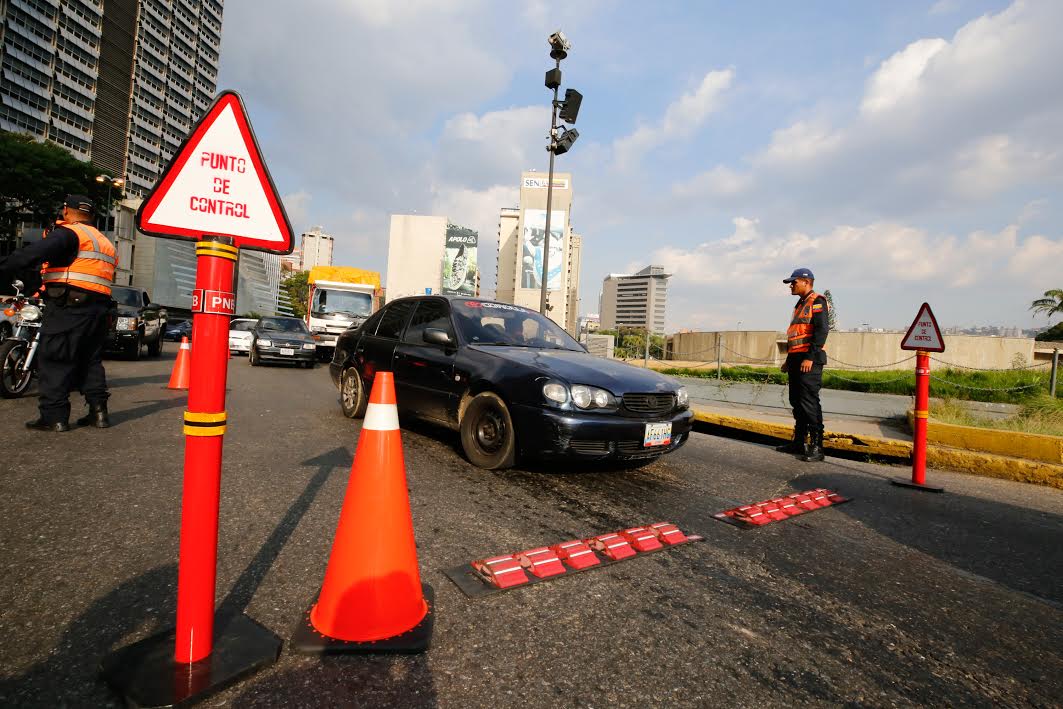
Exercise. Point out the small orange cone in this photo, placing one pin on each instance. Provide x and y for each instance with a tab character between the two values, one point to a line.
372	599
182	367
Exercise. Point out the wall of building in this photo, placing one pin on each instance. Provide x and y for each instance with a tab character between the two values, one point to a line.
415	255
849	349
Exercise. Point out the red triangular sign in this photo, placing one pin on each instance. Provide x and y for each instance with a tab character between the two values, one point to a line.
924	334
217	184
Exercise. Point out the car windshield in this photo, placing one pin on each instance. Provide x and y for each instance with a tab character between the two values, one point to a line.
242	325
486	323
283	325
328	301
126	296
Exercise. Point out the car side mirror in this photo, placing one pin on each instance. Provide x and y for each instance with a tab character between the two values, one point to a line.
435	336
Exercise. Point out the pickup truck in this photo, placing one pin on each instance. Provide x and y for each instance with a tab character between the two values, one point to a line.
139	322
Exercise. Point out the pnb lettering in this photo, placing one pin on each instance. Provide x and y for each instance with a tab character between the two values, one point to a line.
220	207
217	161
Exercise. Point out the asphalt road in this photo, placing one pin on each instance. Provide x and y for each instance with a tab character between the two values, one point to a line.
898	598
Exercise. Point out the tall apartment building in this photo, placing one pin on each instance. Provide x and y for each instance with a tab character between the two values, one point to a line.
316	249
637	301
430	254
521	244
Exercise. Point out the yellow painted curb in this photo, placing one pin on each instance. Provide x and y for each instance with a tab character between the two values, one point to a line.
1016	444
937	456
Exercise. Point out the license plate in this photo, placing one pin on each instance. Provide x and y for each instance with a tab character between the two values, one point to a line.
289	351
657	434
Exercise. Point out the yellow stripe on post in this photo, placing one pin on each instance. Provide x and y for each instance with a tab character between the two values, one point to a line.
205	430
922	414
213	248
194	417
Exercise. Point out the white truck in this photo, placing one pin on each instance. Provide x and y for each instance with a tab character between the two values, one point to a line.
339	297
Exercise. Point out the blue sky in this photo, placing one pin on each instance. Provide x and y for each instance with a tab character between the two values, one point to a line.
904	151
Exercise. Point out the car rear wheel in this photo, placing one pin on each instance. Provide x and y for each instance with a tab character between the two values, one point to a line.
487	434
155	348
353	397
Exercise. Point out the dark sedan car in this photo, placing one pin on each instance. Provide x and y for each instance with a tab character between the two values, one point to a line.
280	339
178	330
511	381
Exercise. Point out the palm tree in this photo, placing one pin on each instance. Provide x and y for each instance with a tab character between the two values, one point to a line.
1050	304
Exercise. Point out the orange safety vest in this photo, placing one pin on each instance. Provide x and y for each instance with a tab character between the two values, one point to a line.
93	269
799	334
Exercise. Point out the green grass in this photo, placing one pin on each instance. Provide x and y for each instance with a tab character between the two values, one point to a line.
1007	386
1041	414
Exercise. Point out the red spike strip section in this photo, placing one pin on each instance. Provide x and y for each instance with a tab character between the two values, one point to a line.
641	539
501	571
668	533
613	546
780	508
541	562
576	554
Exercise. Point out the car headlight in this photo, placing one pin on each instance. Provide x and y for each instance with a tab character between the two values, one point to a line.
587	397
682	399
30	313
555	392
264	343
309	346
126	324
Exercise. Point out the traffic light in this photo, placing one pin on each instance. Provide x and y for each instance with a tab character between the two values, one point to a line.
565	141
570	106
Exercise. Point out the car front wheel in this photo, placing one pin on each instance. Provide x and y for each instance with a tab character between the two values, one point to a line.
252	356
487	434
353	397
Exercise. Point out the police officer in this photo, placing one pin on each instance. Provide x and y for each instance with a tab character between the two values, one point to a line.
79	264
804	364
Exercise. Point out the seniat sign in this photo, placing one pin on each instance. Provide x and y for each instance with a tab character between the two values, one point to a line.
218	184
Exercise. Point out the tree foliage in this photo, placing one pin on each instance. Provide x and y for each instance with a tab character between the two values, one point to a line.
297	286
34	179
1052	334
630	343
832	315
1050	304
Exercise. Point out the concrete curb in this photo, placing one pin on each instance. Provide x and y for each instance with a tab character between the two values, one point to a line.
937	456
1014	444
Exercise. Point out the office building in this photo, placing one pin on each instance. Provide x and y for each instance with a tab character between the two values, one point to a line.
521	242
316	249
429	254
636	301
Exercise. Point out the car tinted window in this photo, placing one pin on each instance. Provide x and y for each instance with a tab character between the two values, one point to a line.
429	313
394	318
487	323
370	325
243	325
283	325
127	296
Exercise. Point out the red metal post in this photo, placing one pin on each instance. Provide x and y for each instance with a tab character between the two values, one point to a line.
204	428
922	412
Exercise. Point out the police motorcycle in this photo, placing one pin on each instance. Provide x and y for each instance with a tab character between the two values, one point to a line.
17	362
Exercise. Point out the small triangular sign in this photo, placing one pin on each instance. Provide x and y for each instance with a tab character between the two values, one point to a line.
217	184
924	334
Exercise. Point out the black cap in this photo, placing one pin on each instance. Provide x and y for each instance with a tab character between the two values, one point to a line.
79	202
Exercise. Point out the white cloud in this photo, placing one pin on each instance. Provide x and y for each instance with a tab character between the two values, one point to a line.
680	120
899	76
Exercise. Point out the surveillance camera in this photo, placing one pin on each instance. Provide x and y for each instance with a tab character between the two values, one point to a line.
558	40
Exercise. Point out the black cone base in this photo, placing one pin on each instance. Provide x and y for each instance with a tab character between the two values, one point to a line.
306	638
916	486
146	675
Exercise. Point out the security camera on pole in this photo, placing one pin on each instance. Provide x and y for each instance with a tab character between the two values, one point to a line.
559	144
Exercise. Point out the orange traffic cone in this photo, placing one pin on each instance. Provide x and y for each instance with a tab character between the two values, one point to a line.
182	367
372	599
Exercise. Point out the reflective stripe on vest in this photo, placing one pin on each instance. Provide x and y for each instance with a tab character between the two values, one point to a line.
93	268
799	334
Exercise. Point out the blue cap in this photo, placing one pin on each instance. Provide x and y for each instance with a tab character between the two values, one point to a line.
799	273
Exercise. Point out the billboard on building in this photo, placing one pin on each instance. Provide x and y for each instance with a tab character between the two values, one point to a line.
531	268
459	261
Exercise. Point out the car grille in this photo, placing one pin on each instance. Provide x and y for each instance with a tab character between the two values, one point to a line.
649	404
589	447
625	448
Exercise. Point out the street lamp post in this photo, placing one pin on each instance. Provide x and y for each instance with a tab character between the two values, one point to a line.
111	182
569	108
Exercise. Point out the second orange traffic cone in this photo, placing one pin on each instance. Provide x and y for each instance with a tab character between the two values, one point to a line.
372	599
182	367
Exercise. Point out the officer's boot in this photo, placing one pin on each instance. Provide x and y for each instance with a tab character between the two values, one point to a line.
814	454
40	424
797	445
97	416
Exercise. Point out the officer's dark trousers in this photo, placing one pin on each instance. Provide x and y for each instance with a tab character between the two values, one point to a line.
804	394
71	357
